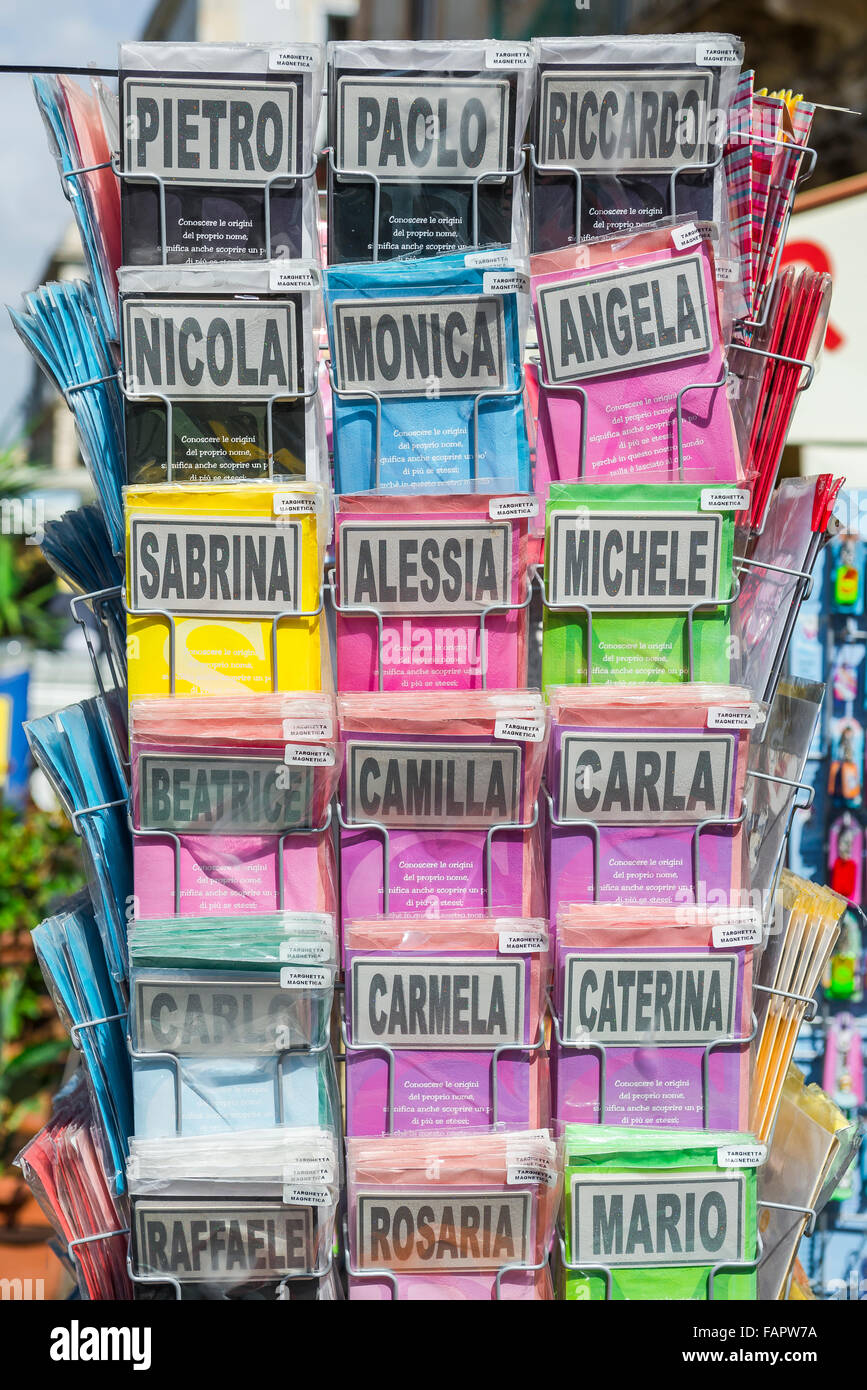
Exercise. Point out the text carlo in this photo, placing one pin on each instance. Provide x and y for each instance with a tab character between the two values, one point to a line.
210	132
422	127
625	122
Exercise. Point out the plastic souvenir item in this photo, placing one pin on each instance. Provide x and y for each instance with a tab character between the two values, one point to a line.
63	1166
643	575
216	162
425	147
432	592
220	372
847	761
646	791
438	809
230	804
629	332
265	1198
426	374
653	1010
660	1214
628	128
246	941
223	588
444	1023
452	1216
793	963
217	1051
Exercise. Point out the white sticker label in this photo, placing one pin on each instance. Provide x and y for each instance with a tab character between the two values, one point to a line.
308	755
310	1194
530	1169
686	236
726	271
308	728
741	1155
289	277
709	231
488	260
500	282
521	943
288	503
304	977
732	718
310	921
300	949
512	508
724	499
508	56
739	929
716	55
523	730
290	60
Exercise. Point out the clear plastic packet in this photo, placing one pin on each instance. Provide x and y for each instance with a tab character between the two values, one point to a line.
465	1217
220	372
805	927
217	156
629	128
223	588
439	810
439	586
775	787
810	1139
642	576
776	573
646	789
445	1023
630	333
231	804
659	1214
245	941
425	142
654	1010
427	387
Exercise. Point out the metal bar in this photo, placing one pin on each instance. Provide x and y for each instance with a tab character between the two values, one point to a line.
92	1023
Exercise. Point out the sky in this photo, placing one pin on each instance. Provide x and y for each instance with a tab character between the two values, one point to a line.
34	210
